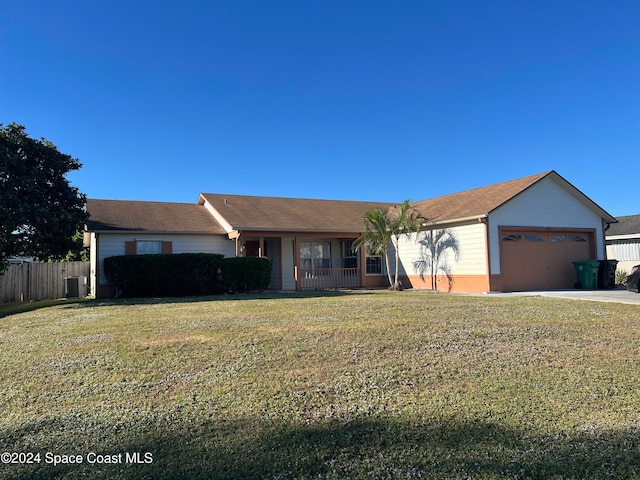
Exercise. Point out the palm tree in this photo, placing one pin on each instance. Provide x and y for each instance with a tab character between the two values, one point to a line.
384	228
433	255
405	221
376	236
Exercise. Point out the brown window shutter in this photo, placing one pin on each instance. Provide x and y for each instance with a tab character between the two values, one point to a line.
167	247
130	248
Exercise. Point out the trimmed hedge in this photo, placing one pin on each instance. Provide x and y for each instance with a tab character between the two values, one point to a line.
243	274
164	275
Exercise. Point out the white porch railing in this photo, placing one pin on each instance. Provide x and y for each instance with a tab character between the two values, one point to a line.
321	278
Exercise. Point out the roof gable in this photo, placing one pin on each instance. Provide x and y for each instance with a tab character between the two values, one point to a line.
124	215
476	202
481	201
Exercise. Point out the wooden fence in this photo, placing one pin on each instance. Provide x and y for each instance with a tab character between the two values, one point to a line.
39	281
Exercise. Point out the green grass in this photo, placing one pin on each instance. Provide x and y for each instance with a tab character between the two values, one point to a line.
339	385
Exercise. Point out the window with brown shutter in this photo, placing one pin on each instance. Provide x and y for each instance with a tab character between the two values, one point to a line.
141	247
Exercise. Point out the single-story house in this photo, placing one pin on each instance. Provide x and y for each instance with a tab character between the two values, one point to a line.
623	242
517	235
308	241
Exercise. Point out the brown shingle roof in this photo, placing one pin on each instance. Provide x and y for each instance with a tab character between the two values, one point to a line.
478	201
242	212
121	215
290	214
484	200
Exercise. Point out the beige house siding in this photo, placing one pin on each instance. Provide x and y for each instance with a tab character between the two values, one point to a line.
469	269
288	260
471	240
113	244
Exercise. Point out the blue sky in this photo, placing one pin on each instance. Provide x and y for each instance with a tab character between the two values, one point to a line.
328	99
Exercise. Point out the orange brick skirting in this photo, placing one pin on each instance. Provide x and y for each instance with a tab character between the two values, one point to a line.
461	283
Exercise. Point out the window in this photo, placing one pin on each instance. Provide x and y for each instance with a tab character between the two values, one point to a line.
512	237
315	255
557	238
577	238
146	247
349	257
530	237
374	265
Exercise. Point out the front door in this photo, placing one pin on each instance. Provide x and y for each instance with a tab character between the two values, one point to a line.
252	248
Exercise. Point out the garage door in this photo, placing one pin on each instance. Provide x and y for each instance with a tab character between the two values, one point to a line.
536	260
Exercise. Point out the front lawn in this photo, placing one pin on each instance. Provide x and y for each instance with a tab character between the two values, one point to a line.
339	385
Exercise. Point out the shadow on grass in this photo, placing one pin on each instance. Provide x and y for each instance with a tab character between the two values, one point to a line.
368	448
14	308
268	295
7	309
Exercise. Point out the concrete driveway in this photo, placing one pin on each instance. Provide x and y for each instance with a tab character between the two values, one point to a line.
617	295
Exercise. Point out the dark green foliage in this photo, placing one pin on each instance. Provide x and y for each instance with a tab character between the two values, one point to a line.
244	274
164	275
40	211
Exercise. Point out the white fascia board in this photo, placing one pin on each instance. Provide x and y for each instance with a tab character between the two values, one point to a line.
154	232
478	218
216	214
630	236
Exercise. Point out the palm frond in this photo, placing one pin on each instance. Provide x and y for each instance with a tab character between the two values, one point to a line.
381	229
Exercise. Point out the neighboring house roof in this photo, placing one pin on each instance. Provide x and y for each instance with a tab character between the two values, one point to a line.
627	227
123	215
242	212
480	202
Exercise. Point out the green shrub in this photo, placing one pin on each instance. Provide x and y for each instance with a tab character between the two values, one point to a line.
164	275
621	278
244	274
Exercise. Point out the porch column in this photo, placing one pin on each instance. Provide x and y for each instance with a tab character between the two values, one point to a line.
238	245
296	267
363	266
261	247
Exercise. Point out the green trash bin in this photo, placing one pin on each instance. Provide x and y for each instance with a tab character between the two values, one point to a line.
587	272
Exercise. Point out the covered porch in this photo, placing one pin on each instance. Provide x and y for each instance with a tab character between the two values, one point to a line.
312	261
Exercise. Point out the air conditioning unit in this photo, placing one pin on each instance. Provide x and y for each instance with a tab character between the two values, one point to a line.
75	287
